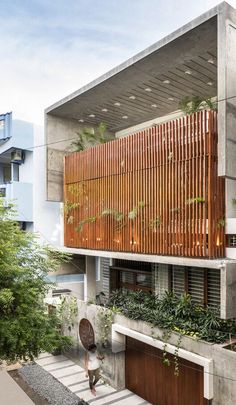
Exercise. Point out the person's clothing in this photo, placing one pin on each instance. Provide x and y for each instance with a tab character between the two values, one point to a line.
93	362
94	376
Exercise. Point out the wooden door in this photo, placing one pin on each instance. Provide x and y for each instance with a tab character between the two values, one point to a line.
148	377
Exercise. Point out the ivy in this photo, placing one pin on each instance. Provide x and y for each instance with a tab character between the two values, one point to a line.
105	320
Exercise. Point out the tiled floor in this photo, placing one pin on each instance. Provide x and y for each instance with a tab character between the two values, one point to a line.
73	376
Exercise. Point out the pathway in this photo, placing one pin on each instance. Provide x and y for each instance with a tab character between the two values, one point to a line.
73	377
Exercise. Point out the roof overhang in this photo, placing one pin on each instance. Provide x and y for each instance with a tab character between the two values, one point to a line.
153	82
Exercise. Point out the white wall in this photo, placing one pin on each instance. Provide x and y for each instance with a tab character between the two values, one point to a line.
47	215
26	174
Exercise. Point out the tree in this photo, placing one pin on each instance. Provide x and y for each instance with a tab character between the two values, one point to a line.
26	328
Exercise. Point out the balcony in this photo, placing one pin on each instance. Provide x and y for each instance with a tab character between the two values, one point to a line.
154	192
21	194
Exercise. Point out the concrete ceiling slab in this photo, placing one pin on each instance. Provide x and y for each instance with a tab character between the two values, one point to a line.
152	83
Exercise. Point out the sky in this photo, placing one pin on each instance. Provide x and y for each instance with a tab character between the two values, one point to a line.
50	49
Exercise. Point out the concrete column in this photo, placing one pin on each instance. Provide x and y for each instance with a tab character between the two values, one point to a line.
90	279
228	291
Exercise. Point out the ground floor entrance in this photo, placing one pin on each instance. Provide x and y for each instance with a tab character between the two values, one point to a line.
148	377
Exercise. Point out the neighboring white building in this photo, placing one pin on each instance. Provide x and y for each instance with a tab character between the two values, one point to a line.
22	174
16	166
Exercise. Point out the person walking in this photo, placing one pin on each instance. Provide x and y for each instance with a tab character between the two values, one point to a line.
92	366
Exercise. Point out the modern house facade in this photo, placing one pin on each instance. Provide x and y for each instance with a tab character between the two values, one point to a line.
154	209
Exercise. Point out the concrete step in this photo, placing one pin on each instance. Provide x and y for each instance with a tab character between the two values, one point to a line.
73	377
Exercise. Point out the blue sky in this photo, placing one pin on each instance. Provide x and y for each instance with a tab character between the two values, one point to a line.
51	48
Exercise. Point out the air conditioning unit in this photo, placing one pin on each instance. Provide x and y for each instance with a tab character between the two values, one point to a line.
17	156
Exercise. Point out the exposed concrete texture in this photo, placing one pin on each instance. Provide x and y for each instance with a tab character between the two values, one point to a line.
11	393
171	52
180	261
113	365
230	195
90	279
227	91
60	132
228	291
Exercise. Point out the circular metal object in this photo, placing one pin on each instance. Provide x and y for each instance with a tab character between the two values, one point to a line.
86	333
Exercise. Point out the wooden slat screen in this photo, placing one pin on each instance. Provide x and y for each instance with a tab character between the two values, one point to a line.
160	186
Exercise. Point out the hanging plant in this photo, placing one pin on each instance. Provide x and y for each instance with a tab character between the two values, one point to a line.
195	200
234	201
117	215
68	207
221	223
105	321
155	223
85	221
132	215
77	189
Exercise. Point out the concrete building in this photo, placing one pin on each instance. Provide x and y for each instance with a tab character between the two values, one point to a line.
156	207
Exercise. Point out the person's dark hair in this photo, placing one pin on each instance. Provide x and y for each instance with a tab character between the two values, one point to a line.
92	346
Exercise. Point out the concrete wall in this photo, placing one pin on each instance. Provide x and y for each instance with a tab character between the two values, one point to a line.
227	92
60	132
114	364
228	291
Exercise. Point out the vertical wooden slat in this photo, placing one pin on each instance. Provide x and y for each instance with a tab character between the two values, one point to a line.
163	166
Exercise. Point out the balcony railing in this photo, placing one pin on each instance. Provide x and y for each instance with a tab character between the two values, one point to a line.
153	192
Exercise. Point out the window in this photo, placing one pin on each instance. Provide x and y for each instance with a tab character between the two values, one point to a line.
231	240
133	275
202	284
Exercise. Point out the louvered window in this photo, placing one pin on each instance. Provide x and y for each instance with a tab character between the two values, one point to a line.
196	284
213	288
178	280
202	284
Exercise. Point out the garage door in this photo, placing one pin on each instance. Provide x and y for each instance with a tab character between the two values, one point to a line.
148	377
